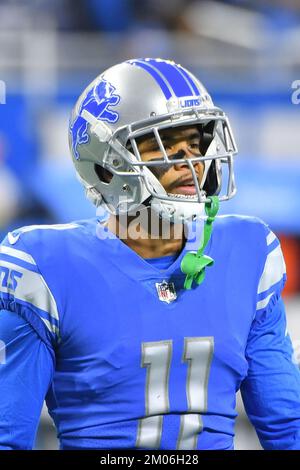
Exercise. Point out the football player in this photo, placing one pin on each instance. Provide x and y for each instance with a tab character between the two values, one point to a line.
140	325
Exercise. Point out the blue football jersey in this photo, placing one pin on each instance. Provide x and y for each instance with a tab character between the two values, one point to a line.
128	358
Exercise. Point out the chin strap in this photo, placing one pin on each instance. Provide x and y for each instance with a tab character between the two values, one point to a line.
194	264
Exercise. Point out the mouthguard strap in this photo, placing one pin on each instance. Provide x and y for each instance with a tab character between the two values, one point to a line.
194	264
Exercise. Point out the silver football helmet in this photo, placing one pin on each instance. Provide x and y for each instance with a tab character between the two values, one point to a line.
142	97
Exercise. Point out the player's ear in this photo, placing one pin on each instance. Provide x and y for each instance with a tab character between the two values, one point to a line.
103	174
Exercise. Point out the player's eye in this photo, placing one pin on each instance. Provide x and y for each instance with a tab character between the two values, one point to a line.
194	145
158	159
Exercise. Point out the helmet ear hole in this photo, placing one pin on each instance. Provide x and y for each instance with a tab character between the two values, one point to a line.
104	175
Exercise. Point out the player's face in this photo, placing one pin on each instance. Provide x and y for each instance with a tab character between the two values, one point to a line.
180	143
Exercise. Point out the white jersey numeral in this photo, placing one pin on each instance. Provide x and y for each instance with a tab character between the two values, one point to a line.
156	357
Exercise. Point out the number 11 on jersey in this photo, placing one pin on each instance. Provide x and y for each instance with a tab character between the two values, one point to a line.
156	357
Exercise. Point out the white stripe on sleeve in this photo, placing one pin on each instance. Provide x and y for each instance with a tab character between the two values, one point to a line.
263	303
270	238
22	255
273	270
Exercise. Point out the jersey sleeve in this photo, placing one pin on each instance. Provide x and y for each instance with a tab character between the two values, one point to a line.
26	370
271	390
24	289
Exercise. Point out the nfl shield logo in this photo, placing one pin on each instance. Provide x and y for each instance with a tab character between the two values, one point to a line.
166	291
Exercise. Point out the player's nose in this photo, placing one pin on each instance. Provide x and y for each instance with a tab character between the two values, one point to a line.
184	152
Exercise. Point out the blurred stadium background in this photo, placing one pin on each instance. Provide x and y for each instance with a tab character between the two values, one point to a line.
245	52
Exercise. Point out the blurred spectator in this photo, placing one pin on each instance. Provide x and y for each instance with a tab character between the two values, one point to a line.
109	15
9	191
125	15
9	197
28	14
18	204
281	14
91	15
155	13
